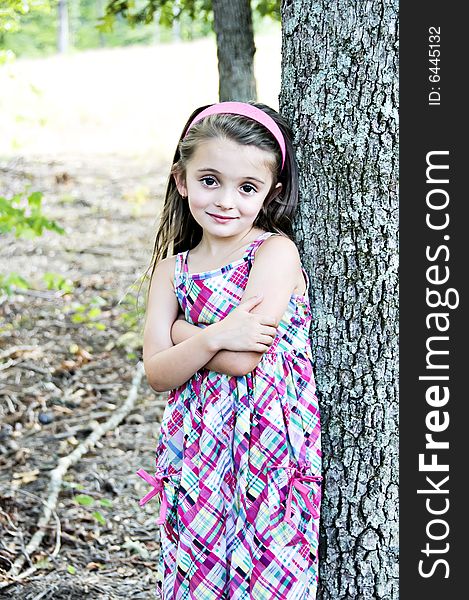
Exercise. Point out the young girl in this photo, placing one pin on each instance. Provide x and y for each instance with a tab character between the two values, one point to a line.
238	459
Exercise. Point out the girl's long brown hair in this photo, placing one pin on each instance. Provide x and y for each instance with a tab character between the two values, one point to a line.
178	231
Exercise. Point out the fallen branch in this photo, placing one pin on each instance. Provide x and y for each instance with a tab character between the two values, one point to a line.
17	349
64	463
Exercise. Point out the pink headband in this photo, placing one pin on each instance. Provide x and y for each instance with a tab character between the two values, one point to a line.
246	110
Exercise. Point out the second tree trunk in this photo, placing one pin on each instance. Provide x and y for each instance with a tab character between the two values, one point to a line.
235	49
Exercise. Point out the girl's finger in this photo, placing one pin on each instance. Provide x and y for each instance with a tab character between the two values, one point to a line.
267	320
251	302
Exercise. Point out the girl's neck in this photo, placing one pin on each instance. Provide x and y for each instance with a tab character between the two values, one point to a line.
211	247
211	253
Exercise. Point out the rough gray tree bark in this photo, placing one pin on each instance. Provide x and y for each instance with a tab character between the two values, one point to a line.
339	90
232	20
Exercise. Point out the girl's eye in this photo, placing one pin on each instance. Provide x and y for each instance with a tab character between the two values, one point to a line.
208	181
248	188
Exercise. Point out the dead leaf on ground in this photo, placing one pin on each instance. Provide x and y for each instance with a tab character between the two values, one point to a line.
25	477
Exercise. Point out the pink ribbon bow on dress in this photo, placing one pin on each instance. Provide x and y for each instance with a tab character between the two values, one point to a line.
296	483
157	483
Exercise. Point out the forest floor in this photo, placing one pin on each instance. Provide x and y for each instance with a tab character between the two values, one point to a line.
68	358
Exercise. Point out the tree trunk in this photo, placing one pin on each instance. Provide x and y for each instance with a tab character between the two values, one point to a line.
100	10
339	91
235	49
63	32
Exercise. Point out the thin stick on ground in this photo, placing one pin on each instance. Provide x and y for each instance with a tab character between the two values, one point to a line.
64	463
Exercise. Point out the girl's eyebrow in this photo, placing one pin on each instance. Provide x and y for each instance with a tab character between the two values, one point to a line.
218	173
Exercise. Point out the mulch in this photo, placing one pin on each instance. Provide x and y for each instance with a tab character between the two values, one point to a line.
67	360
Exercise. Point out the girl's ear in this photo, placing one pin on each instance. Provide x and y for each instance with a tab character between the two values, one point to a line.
275	192
180	181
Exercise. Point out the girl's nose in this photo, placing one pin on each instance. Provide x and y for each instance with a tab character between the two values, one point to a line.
225	199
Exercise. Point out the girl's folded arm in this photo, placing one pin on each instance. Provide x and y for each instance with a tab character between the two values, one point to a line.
276	286
229	362
274	274
168	366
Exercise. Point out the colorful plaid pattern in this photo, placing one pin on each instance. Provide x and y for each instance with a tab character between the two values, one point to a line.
240	460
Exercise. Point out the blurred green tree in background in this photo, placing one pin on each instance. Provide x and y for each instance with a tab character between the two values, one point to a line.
29	28
13	16
34	28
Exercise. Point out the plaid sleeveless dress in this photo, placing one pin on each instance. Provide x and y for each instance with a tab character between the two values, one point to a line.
238	460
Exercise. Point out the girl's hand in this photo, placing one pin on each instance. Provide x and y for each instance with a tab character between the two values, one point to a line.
244	331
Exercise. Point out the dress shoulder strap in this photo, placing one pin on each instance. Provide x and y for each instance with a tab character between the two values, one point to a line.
179	267
253	246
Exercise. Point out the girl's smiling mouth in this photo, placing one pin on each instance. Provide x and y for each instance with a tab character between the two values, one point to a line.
220	218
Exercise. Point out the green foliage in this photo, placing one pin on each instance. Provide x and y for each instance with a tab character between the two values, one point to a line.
13	14
99	517
267	8
84	500
27	221
44	564
11	282
71	569
194	16
88	501
131	315
34	33
85	25
165	12
12	10
55	281
29	27
89	313
24	218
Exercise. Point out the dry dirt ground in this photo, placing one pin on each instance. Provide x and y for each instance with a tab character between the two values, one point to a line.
63	369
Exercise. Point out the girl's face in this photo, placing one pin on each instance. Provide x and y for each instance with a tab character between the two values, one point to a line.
226	184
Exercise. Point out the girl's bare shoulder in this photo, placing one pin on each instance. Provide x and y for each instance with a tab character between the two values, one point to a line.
164	270
279	245
168	263
281	251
